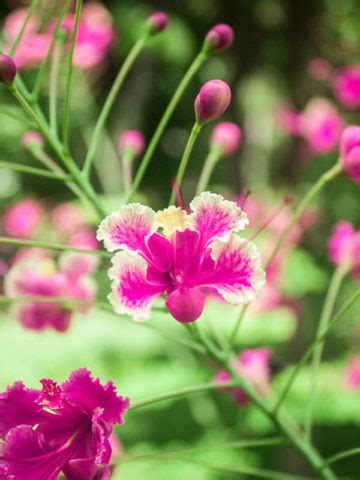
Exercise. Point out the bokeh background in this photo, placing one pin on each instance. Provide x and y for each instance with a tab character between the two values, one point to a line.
266	67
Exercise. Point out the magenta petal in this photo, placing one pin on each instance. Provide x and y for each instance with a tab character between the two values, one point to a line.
18	407
186	305
81	469
88	394
161	251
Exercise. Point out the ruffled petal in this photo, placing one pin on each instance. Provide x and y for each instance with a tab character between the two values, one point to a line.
215	217
18	407
127	228
87	394
237	275
131	293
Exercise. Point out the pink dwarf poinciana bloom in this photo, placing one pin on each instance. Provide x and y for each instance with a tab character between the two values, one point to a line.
59	429
350	152
319	124
41	277
253	366
344	247
23	218
94	39
197	253
347	86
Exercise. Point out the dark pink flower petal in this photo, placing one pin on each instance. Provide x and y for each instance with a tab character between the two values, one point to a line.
131	292
161	252
87	394
215	217
18	406
127	228
186	304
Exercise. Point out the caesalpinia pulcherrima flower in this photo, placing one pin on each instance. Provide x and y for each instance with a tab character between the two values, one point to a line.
253	366
35	276
197	253
59	429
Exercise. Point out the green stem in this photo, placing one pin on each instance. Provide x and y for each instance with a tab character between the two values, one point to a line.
245	444
185	158
314	190
325	316
194	67
110	100
41	73
54	80
51	246
340	456
209	164
289	429
238	323
31	10
16	117
34	171
311	348
127	161
181	392
67	101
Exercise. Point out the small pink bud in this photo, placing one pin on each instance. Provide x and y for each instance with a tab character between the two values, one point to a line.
31	138
132	140
212	101
158	21
186	305
219	38
7	69
350	152
227	136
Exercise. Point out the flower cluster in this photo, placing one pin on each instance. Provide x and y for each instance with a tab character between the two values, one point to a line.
59	429
198	253
95	36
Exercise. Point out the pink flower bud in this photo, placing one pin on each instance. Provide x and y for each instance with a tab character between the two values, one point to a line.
132	140
157	22
219	38
227	136
350	152
212	101
31	138
23	218
7	69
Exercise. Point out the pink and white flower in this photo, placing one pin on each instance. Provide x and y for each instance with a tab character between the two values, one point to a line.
196	253
253	366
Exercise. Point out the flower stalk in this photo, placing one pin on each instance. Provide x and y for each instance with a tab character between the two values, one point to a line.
211	160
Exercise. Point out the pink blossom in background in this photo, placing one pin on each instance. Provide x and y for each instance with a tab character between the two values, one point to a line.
321	125
344	247
131	140
347	86
61	428
196	252
320	69
95	37
288	120
36	276
68	218
227	136
22	219
350	152
253	366
352	373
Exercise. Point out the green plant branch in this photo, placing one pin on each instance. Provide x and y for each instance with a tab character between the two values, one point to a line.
110	100
33	6
342	455
189	75
35	171
211	160
325	316
67	100
185	159
54	81
352	300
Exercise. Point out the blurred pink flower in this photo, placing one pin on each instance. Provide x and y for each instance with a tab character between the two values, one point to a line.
253	366
347	86
131	140
350	152
227	136
23	218
352	373
42	277
320	69
288	119
344	246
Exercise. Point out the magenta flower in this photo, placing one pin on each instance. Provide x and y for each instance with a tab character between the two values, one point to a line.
59	429
212	101
7	69
41	277
196	253
350	152
220	37
253	366
347	86
344	247
226	136
132	140
23	218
